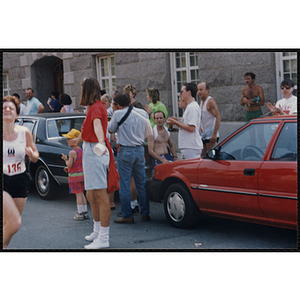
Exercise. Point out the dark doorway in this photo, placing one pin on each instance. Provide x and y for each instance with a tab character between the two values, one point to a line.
47	75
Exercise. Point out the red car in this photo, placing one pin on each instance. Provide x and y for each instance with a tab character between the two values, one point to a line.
249	176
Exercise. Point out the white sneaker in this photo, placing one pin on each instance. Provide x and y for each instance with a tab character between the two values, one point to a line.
92	236
97	244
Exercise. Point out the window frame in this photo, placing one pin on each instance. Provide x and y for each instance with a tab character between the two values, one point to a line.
278	144
111	78
280	58
5	79
188	68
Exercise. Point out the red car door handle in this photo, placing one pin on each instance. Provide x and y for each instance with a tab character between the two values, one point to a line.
249	172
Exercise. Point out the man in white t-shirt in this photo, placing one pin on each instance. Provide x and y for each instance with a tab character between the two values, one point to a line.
287	105
189	139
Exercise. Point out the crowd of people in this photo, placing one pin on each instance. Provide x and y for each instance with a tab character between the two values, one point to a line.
122	121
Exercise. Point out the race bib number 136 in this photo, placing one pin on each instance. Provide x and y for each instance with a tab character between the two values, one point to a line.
14	168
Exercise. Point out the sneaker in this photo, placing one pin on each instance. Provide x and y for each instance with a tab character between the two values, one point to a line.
97	244
92	236
86	215
78	217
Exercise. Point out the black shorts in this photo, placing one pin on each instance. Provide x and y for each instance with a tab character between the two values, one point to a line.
207	141
17	185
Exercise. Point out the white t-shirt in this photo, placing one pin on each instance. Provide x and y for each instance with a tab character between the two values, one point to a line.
191	116
288	106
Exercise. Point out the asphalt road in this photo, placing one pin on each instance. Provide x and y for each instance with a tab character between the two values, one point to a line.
49	225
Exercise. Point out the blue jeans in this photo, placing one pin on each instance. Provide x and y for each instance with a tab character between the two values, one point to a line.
131	161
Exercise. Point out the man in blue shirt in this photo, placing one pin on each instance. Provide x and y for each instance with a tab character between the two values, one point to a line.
34	106
55	106
131	156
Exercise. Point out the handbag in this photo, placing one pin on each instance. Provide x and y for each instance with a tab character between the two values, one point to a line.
113	176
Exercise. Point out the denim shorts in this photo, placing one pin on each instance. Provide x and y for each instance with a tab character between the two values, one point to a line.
94	167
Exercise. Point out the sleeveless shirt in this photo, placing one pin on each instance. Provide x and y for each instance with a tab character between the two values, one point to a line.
76	172
208	122
14	154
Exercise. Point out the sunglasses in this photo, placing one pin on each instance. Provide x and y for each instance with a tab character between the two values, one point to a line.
285	87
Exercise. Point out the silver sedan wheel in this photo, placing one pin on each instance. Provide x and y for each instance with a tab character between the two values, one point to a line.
176	207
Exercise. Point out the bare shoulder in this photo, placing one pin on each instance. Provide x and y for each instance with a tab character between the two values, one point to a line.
211	103
72	152
259	87
24	129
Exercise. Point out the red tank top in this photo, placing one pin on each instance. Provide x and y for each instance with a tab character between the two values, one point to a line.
76	172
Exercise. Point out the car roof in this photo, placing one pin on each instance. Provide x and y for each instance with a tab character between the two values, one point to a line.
53	115
284	117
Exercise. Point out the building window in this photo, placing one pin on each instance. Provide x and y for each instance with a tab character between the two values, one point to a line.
6	89
286	65
106	73
184	68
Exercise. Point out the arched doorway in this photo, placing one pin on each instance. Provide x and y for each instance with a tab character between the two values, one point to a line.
46	76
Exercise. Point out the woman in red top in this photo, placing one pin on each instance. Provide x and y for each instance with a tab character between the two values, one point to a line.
95	167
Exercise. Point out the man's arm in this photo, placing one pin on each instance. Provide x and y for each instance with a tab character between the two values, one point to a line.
244	101
213	109
172	148
262	97
112	124
174	121
41	108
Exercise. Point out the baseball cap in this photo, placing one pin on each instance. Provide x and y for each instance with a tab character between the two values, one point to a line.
72	134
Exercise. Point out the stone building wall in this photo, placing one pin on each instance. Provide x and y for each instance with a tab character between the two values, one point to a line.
224	71
145	69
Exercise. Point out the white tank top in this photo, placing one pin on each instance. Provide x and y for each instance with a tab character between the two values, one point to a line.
14	154
208	122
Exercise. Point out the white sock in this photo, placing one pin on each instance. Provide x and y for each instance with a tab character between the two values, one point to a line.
103	234
84	208
134	203
97	226
80	208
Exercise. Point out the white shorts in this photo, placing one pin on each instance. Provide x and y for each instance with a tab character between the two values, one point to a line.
94	167
188	153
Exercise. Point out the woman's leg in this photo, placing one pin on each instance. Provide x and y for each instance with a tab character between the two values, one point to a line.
100	206
95	207
12	210
104	206
101	201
